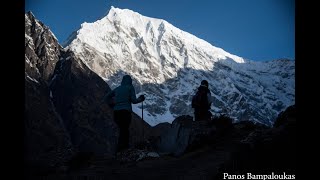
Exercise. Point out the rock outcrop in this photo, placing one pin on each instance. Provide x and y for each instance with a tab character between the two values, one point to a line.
47	144
64	113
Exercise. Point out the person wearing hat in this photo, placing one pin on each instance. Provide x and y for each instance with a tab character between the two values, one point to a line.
201	102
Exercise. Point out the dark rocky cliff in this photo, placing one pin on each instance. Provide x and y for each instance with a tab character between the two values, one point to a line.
64	112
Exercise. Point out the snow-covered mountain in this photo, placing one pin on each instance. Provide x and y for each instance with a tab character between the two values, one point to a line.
168	64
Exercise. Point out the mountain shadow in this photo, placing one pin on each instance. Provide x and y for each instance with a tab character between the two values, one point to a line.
237	94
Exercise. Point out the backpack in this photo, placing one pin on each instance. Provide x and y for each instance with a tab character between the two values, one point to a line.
200	100
111	102
109	98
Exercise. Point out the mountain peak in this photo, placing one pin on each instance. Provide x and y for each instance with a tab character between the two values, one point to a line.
30	14
166	63
115	10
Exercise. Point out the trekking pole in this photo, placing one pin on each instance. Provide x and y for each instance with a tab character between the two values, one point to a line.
142	120
141	87
142	111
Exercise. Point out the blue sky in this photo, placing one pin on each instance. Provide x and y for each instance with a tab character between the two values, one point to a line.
253	29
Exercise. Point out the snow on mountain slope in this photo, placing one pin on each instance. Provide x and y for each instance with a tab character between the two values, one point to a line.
42	49
167	64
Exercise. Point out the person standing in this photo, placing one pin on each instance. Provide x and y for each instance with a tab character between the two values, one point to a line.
122	97
201	102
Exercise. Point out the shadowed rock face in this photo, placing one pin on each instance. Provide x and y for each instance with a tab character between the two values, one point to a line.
175	139
251	147
183	135
64	114
47	144
77	94
266	150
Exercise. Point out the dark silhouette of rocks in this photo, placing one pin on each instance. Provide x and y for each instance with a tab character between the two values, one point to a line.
47	144
208	152
265	150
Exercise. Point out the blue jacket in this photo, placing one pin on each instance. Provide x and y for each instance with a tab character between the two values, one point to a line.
124	95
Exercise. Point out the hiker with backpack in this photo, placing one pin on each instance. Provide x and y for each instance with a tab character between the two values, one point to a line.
121	99
201	102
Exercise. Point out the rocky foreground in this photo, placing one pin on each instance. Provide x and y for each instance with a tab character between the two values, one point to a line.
194	150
